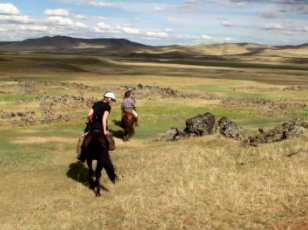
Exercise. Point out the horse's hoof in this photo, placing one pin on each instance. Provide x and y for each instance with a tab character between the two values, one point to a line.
98	194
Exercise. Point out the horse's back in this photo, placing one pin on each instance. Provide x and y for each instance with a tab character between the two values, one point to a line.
94	143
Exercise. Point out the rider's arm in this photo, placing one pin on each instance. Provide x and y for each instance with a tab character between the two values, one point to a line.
104	121
90	114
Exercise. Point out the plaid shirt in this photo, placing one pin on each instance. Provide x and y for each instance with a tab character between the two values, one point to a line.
127	103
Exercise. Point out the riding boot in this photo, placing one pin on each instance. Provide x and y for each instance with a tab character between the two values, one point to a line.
136	123
82	156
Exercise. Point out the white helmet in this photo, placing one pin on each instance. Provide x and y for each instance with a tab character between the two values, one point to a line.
111	95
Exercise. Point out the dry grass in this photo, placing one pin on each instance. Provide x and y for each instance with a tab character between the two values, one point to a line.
202	183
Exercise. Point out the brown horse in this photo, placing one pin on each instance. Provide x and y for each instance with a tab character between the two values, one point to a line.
96	147
128	120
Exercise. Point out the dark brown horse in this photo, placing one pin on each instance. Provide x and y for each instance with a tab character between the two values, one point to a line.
128	120
96	147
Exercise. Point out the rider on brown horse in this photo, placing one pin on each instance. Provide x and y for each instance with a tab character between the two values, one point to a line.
128	106
98	120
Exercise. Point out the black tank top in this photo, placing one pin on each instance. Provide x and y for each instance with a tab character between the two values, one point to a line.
99	108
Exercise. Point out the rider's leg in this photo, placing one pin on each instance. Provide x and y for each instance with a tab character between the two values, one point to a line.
136	116
110	141
80	155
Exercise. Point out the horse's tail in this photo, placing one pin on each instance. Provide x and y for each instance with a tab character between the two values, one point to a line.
130	129
104	158
129	124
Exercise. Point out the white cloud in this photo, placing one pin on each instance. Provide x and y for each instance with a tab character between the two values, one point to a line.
227	24
150	38
158	9
169	30
57	12
100	4
33	28
86	2
273	26
101	18
157	34
240	4
129	30
80	17
9	9
193	1
136	18
80	25
206	37
103	25
16	19
60	21
226	39
185	36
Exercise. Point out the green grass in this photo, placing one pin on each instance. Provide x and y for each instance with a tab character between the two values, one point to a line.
14	98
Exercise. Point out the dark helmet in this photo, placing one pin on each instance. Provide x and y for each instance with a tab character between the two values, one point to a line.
127	94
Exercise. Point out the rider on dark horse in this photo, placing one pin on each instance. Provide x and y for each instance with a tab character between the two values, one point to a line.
128	106
98	121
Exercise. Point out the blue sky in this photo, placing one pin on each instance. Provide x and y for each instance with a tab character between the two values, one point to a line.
168	22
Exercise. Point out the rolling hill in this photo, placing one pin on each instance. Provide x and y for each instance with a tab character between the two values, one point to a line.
124	47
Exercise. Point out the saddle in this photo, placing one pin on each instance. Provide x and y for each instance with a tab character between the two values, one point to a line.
124	114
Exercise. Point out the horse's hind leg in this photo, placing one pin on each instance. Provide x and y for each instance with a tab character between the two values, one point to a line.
125	136
98	172
90	175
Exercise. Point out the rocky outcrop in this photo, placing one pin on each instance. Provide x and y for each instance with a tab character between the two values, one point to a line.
197	126
286	130
229	129
260	103
296	88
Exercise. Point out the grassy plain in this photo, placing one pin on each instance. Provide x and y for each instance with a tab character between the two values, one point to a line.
208	182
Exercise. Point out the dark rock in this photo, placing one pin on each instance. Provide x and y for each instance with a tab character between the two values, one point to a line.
286	130
200	125
229	129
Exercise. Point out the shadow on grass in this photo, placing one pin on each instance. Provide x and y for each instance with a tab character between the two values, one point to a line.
78	172
117	123
117	133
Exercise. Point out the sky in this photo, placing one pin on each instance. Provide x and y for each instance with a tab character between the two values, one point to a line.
160	22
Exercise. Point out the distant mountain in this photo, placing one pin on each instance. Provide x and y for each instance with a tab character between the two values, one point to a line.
124	47
69	44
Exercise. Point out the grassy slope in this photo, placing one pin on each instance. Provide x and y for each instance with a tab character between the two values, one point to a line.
202	183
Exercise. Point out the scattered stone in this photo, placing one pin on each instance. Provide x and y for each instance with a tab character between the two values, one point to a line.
298	151
295	131
286	130
229	129
296	88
